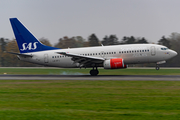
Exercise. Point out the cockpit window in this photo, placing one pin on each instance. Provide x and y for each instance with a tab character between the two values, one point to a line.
164	48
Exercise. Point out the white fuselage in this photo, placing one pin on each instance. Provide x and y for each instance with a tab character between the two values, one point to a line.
132	54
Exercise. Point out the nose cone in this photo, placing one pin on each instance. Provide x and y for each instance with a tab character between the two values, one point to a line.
173	53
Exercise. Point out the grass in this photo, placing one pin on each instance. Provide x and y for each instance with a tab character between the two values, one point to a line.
56	71
89	100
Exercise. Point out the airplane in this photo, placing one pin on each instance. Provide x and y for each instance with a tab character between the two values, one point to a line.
108	57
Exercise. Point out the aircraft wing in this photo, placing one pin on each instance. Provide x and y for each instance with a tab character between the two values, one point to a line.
83	60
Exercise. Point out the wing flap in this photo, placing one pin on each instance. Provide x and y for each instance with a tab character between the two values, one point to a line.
81	56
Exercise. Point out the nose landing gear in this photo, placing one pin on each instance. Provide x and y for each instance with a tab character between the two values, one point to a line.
157	67
158	63
94	72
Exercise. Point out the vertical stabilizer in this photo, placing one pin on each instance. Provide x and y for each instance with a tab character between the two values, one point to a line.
25	40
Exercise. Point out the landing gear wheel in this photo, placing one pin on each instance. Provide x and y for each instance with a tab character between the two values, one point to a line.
94	72
157	67
97	72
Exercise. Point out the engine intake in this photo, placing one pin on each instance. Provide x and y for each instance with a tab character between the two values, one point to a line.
116	63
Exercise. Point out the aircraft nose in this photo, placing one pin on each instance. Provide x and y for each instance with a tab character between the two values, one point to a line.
173	53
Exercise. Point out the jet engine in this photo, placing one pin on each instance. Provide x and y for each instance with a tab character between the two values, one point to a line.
116	63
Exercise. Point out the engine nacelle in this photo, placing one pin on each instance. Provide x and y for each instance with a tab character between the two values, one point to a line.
116	63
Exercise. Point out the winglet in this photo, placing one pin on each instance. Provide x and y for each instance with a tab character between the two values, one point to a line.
25	40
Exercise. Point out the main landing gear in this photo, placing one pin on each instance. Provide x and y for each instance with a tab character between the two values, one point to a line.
157	67
94	72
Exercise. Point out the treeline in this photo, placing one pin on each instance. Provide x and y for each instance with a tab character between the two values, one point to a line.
9	60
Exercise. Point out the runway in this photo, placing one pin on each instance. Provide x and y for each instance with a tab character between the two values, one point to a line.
88	77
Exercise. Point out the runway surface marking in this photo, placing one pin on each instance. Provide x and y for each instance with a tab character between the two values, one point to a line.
88	77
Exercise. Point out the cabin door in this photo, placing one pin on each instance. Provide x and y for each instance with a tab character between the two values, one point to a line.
153	51
45	58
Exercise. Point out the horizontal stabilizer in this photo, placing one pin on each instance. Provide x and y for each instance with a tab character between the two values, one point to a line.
25	55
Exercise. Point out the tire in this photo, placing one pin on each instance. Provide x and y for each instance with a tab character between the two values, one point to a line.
157	67
94	72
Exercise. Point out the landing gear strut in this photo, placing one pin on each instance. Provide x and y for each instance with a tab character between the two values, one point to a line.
94	72
157	67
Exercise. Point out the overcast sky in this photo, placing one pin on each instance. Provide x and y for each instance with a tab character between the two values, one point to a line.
54	19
